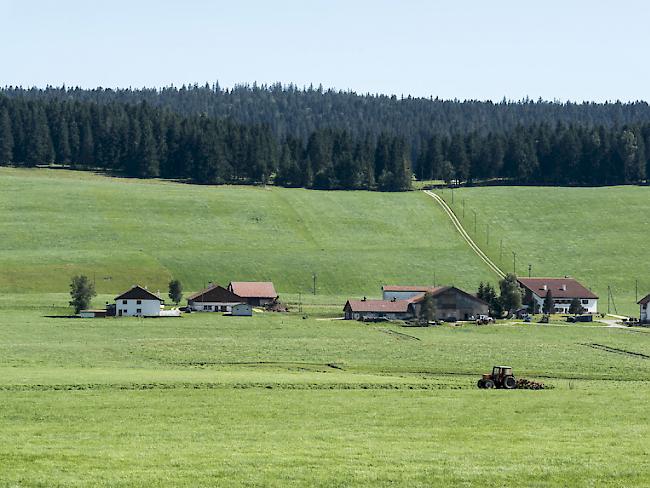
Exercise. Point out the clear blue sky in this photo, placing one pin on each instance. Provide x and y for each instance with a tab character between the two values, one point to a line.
577	50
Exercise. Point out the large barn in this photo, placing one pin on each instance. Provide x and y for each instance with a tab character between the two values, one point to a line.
404	302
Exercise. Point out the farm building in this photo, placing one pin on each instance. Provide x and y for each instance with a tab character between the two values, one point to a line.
138	302
644	310
404	302
214	298
92	314
563	291
379	309
242	310
256	293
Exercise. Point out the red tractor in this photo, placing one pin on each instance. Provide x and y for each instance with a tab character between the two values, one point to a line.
501	377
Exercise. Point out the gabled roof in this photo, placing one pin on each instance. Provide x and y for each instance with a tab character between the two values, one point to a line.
384	306
136	292
253	289
433	290
560	287
644	300
214	293
423	289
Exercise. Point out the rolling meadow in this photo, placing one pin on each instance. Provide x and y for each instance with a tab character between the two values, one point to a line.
303	398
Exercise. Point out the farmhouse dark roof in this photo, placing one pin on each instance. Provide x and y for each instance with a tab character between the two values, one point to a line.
385	306
214	293
644	300
136	292
253	289
560	287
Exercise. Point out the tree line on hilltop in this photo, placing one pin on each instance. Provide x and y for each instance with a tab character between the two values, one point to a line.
142	140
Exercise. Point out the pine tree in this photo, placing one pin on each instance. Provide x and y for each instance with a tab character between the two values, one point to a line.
6	138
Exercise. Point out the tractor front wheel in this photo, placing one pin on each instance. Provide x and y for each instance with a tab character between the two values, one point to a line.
481	383
488	384
509	383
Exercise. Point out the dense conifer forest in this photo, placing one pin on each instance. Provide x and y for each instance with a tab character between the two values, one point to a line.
323	139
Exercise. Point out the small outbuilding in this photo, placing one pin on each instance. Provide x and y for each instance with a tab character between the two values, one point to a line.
92	314
255	293
242	310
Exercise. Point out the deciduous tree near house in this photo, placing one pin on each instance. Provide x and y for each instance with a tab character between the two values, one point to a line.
175	291
511	293
82	290
427	308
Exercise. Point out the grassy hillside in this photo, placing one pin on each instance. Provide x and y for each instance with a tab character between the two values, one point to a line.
56	223
598	235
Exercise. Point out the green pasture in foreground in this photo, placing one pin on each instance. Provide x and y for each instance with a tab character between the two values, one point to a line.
599	235
55	223
281	400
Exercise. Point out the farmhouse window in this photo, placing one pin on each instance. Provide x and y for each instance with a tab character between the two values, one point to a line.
123	302
139	310
138	302
585	302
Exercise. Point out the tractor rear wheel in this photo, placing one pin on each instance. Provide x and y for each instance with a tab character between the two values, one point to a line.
488	384
481	383
509	382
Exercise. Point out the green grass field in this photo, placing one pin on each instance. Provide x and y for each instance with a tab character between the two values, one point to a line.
598	235
278	400
297	399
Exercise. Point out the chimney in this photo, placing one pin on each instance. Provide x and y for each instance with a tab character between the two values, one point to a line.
545	287
364	299
564	287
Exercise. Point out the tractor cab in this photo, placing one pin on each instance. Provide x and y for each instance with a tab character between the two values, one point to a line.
501	377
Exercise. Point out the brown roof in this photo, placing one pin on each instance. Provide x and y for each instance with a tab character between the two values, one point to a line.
644	300
136	292
378	305
423	289
214	293
560	287
253	289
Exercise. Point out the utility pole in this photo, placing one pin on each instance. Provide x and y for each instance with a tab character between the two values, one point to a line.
514	262
314	277
487	234
434	278
300	302
636	290
608	294
530	268
474	221
452	195
501	251
463	209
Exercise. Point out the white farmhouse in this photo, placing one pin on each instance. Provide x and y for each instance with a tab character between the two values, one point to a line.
138	302
563	291
644	309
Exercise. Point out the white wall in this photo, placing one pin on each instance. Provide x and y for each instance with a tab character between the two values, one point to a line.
590	307
643	313
200	306
148	308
